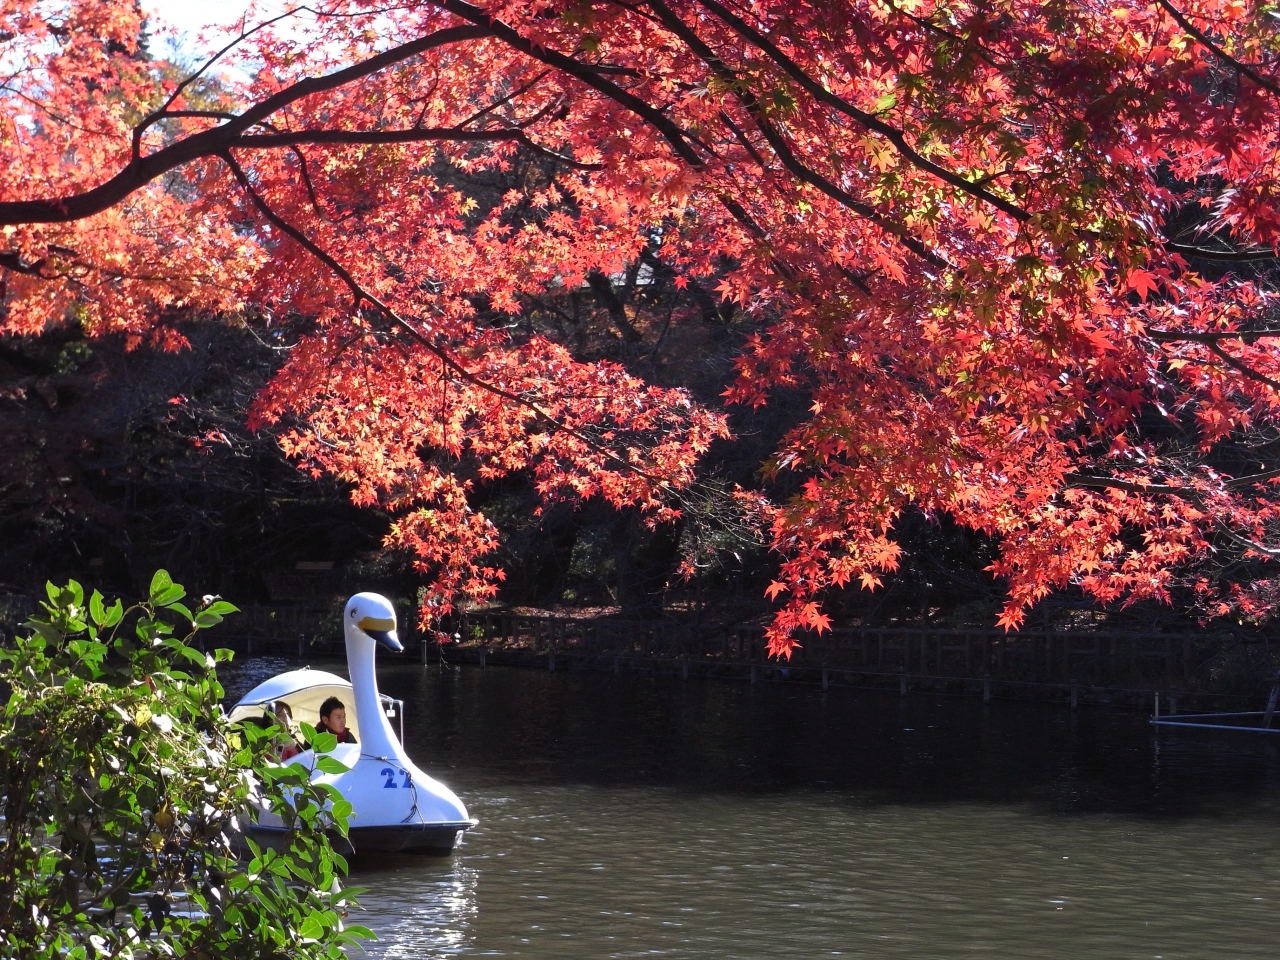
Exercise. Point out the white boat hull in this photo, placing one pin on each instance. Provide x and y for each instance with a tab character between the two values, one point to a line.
396	807
431	839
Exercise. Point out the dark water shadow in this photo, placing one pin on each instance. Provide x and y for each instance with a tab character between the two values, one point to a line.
480	729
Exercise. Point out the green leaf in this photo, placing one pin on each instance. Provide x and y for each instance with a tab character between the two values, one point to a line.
330	765
48	631
145	739
357	932
114	613
204	619
311	929
96	610
170	594
885	103
324	742
160	582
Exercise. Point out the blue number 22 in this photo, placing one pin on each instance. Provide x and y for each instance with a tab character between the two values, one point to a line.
390	774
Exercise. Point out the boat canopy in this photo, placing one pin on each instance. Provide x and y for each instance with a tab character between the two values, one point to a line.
304	690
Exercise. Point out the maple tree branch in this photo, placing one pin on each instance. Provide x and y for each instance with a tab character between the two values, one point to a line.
12	260
780	147
358	292
1254	478
1217	51
1216	348
519	91
1210	336
305	171
1107	483
1233	255
293	138
361	295
1213	340
739	213
212	143
741	137
679	139
893	134
162	110
1186	493
1248	542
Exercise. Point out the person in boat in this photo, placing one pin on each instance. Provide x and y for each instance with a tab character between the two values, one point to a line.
333	719
291	747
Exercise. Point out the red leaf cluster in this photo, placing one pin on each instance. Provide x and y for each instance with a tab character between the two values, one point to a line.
1014	253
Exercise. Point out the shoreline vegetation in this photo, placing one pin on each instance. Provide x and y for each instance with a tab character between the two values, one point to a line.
125	790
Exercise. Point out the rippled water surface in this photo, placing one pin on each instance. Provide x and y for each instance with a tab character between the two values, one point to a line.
639	816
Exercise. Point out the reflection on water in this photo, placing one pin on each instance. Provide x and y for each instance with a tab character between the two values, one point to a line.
638	816
419	908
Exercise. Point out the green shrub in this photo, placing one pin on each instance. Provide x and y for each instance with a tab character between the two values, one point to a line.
125	791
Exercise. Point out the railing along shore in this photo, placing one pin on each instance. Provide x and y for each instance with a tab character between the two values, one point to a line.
1106	667
1098	667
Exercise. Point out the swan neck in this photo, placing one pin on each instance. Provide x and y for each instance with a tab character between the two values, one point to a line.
376	736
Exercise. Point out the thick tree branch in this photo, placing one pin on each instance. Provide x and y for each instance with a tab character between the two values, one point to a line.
1108	483
295	138
1248	542
163	110
11	260
502	101
1164	489
1216	348
1253	478
1213	340
602	287
212	143
746	144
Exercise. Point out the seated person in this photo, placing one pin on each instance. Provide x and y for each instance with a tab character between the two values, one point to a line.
333	719
289	748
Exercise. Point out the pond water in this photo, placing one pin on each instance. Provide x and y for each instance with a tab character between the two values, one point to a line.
641	816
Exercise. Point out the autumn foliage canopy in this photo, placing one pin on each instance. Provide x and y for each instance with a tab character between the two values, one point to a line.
1015	254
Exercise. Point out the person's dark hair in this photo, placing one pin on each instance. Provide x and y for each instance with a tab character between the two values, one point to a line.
330	705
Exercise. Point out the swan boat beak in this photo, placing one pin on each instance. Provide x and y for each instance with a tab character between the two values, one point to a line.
382	630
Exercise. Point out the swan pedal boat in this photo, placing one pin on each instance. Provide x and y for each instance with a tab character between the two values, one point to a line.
395	806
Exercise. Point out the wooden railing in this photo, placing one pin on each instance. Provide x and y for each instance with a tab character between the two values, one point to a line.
1183	661
1102	659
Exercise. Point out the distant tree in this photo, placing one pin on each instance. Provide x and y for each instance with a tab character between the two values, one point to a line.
1011	253
125	792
